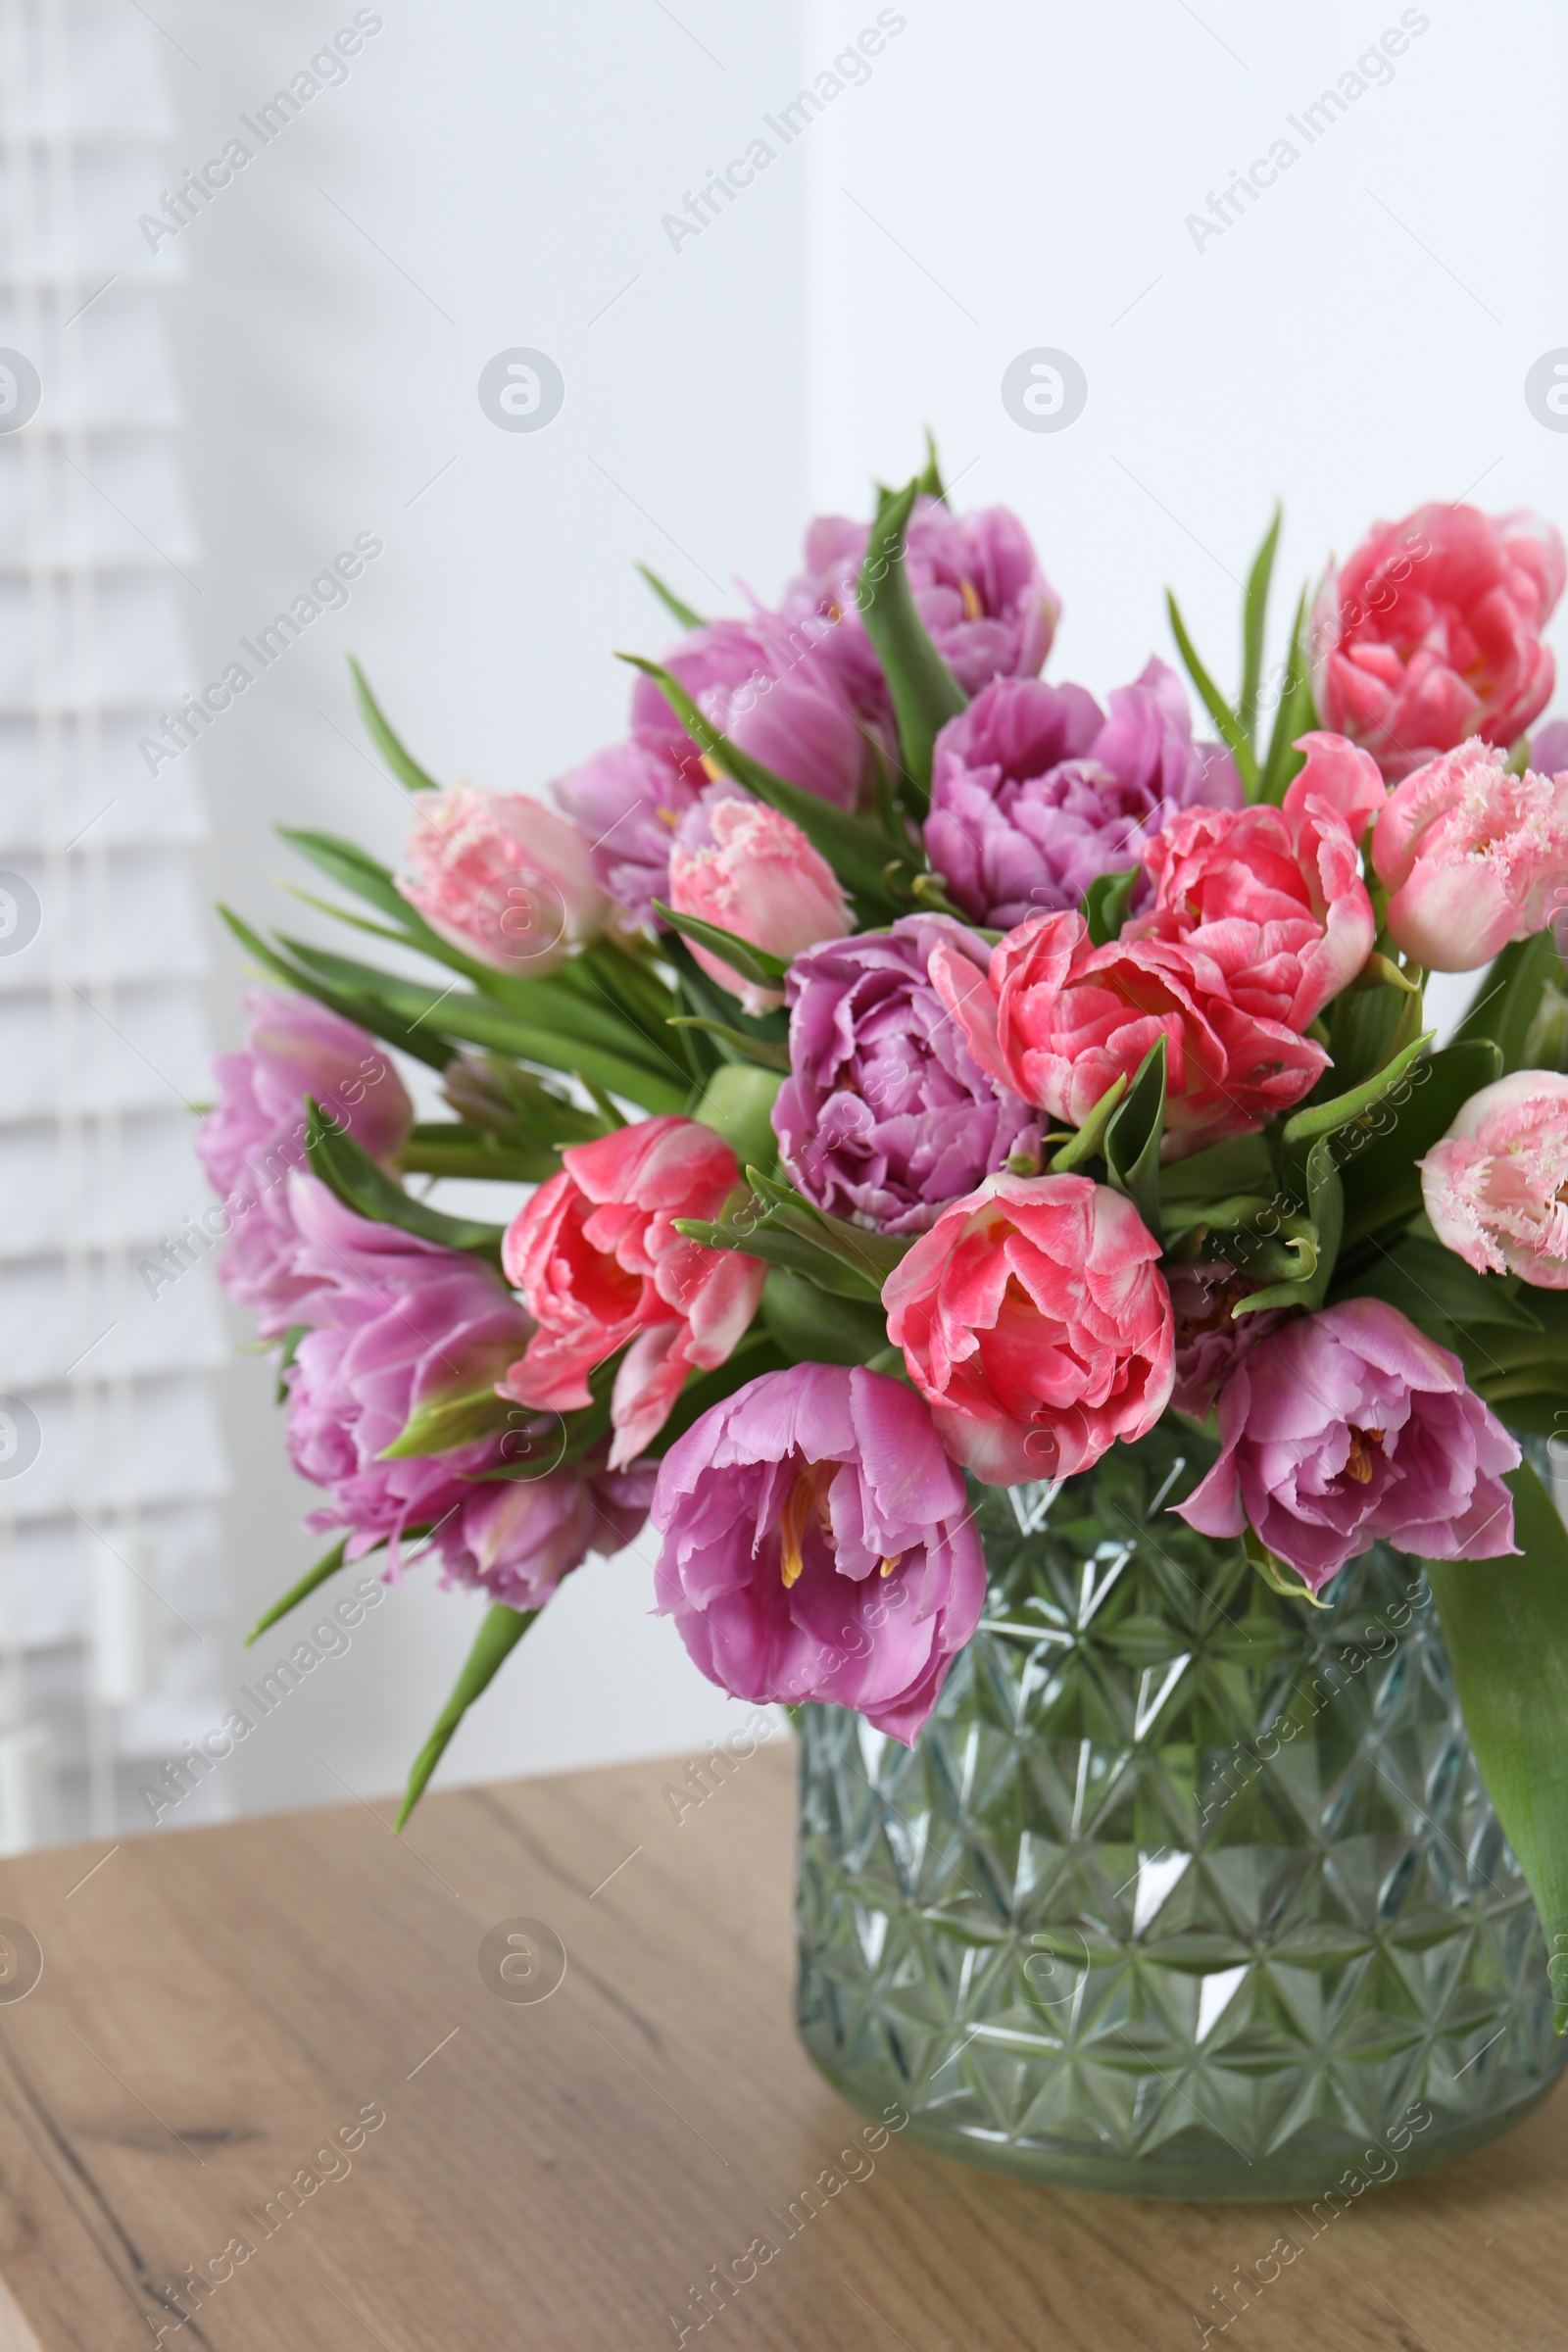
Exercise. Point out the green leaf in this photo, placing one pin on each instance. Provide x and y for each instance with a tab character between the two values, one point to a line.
777	1225
738	1104
1505	1628
346	865
499	1099
1294	716
1240	1164
329	1565
1436	1288
1323	1119
1219	711
856	852
925	692
1325	1205
814	1326
443	1423
1104	904
499	1634
760	1050
1254	617
672	603
1090	1137
930	892
564	1031
1378	1162
363	1185
1363	1025
285	1357
1132	1139
441	1148
929	479
1279	1576
363	1011
759	965
1505	1003
402	765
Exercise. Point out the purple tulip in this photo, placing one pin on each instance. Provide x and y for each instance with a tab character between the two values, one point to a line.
516	1539
1035	792
886	1116
395	1322
1209	1344
255	1135
817	1545
764	686
627	801
976	582
1548	748
1347	1427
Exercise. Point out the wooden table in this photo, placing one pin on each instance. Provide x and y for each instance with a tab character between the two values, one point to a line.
224	2011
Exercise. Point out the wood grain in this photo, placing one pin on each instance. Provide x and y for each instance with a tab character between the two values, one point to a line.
217	2003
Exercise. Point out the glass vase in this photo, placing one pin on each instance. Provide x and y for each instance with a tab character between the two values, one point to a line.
1188	1888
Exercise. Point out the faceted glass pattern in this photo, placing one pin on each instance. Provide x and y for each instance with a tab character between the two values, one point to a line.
1110	1924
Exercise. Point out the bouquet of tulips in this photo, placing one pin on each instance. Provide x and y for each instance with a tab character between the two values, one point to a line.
920	1070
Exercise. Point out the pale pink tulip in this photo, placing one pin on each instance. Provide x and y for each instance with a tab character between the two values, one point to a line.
1496	1186
743	866
1471	856
501	877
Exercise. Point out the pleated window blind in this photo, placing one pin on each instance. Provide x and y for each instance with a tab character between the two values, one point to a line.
110	1462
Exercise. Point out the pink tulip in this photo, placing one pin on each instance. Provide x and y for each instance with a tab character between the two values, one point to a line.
597	1257
1059	1021
1211	1339
1035	1322
1496	1186
740	864
501	877
254	1135
1472	857
1431	633
816	1545
514	1539
1284	883
1350	1427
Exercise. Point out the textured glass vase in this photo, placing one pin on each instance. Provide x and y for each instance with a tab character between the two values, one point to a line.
1186	1890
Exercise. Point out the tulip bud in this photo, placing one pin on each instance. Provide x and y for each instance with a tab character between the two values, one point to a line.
741	866
501	877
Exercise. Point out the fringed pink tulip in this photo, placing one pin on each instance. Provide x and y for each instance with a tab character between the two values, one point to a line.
501	877
1496	1186
744	866
1471	858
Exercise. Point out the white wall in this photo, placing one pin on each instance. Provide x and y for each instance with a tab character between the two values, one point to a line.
1008	177
514	165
